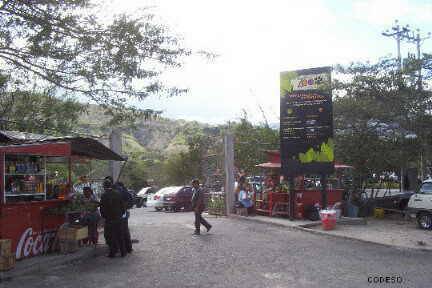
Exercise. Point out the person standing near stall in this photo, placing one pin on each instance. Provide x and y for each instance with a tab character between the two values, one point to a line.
92	216
112	210
198	207
128	203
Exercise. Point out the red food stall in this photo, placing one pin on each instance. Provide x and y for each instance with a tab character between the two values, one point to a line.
27	190
273	201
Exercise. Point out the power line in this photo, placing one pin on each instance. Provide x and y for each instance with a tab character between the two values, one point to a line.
406	33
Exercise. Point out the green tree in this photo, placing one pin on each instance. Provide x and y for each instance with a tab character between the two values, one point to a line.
377	111
182	167
251	142
38	112
65	44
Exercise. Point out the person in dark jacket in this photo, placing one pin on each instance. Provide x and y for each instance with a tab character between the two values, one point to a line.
127	200
198	207
112	210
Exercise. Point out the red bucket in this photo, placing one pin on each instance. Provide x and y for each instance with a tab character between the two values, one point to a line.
328	219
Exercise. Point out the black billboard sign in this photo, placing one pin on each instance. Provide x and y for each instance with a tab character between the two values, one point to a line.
306	122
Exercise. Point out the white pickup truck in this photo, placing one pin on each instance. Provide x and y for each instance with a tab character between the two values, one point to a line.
420	205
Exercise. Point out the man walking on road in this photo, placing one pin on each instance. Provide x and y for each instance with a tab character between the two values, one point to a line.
198	207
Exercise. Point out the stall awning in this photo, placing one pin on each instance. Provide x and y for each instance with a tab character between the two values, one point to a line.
21	142
87	147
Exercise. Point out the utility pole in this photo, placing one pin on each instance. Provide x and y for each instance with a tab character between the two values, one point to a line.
397	32
410	36
405	33
115	143
229	172
415	37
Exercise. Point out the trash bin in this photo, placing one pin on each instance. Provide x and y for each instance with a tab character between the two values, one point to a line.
328	219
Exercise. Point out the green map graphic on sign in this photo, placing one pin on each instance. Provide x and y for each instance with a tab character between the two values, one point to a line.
325	154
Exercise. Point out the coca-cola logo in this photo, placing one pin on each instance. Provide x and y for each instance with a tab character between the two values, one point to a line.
33	243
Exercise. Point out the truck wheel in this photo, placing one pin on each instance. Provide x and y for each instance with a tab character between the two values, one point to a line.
424	220
158	208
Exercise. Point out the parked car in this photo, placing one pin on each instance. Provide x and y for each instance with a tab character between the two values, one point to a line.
156	200
420	205
142	196
177	199
133	195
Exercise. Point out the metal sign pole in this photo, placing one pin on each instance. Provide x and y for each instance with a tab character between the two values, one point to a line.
291	197
229	172
324	200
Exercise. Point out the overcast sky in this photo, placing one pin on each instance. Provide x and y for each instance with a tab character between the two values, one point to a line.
256	40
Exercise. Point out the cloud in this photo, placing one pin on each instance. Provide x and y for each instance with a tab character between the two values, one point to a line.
385	12
258	39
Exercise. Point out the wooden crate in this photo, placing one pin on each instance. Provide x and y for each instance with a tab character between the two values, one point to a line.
68	246
5	247
7	262
81	233
72	233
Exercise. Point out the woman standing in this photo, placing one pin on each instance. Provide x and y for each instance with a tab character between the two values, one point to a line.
92	216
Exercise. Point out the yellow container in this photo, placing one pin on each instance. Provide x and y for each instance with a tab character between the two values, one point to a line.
379	213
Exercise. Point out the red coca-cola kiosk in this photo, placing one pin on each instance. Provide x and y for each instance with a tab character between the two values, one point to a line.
29	186
273	201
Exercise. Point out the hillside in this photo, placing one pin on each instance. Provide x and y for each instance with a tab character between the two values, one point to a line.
162	135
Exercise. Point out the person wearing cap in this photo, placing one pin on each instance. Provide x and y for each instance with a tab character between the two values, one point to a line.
112	210
198	207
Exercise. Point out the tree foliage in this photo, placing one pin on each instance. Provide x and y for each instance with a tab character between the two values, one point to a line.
251	142
65	44
381	115
180	168
38	112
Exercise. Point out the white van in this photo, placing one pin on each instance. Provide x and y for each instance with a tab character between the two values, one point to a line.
420	205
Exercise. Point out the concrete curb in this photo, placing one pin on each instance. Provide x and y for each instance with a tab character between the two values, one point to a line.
41	264
252	219
323	233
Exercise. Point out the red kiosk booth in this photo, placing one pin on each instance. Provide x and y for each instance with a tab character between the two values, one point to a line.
28	188
272	202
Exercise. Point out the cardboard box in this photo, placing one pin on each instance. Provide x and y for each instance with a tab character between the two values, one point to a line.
72	233
81	233
68	246
7	262
5	247
65	233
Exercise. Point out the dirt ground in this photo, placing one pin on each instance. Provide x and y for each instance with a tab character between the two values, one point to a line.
393	229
